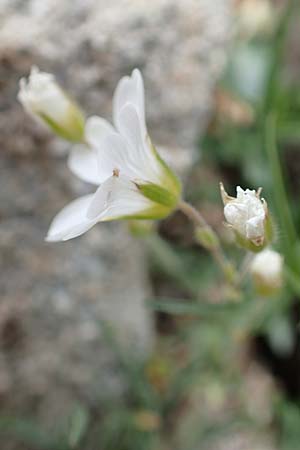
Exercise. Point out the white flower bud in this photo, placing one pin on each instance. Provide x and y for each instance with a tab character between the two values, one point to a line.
266	269
247	215
43	98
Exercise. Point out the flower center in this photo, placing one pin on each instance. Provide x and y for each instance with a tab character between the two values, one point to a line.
116	172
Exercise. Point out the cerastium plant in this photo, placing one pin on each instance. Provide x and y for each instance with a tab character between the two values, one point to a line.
133	181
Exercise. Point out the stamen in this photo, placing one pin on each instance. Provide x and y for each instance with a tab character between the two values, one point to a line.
116	172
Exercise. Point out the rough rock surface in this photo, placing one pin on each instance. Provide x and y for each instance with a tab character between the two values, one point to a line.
52	296
179	45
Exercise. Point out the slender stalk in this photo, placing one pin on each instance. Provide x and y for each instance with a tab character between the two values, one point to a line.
215	250
246	265
289	234
192	213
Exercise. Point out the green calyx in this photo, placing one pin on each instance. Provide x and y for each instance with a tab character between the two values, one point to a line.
248	244
72	128
164	196
169	180
266	289
163	201
158	195
153	212
256	247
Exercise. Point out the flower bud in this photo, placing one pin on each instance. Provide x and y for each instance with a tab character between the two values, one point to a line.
43	98
247	215
266	269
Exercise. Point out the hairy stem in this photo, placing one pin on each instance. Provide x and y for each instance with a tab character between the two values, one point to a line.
216	250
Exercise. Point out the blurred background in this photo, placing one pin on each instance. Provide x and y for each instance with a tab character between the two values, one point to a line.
97	350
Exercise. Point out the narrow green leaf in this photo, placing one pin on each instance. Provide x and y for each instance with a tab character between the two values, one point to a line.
78	425
187	307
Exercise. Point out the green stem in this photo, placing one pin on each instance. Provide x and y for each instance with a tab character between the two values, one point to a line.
215	250
270	106
246	265
289	234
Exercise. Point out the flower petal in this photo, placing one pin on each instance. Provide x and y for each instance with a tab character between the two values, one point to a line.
130	90
117	198
113	155
71	221
82	162
255	227
130	127
95	129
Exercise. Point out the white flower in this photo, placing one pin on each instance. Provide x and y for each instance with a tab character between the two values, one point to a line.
266	269
43	98
246	214
134	181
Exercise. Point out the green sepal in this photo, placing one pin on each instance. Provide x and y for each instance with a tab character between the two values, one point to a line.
72	129
158	194
251	246
266	290
163	199
154	212
170	180
248	244
269	229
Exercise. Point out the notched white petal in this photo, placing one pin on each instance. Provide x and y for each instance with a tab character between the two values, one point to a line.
130	90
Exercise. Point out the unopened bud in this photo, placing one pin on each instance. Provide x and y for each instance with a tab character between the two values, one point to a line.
266	270
247	215
44	99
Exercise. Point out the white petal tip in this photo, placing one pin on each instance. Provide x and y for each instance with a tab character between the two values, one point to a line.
136	72
50	238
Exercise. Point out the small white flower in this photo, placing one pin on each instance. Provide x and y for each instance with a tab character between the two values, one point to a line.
134	181
246	214
44	99
266	269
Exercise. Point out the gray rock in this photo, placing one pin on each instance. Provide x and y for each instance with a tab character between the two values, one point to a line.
54	295
179	46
